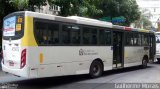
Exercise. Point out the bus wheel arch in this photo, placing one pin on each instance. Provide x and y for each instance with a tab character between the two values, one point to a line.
145	60
96	68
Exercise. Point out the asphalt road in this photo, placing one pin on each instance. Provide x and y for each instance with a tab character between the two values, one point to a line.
107	81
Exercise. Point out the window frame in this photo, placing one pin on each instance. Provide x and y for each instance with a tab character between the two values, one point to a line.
45	21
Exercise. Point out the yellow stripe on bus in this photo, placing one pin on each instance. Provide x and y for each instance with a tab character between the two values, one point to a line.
28	38
41	58
126	55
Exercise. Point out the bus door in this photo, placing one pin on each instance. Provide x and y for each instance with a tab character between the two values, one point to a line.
118	50
152	45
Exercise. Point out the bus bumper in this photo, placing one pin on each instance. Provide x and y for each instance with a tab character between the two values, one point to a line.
18	72
157	56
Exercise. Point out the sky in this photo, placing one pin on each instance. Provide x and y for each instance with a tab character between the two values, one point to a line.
148	3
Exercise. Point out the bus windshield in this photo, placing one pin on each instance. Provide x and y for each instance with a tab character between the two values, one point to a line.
13	27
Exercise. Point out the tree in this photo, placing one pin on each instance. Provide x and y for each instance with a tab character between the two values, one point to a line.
27	4
145	23
5	8
85	8
38	3
115	8
19	4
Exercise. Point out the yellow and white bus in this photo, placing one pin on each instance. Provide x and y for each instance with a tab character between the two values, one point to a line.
37	45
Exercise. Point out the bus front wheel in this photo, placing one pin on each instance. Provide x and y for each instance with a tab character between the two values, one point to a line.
96	69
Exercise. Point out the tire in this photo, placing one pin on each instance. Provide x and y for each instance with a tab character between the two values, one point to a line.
96	69
144	62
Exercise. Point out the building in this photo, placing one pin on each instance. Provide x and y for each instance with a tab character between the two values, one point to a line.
151	9
48	9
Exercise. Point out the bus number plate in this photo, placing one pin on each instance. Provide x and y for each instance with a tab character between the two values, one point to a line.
11	64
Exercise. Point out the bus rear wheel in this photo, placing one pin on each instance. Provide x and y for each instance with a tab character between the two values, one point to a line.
96	69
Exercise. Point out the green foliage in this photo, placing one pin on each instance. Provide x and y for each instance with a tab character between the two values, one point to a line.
19	4
38	3
5	8
143	22
9	6
68	7
85	8
127	8
27	4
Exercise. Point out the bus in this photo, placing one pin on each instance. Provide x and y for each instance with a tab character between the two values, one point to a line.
37	45
157	56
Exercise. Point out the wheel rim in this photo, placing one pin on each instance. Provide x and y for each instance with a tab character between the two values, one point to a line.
96	69
144	63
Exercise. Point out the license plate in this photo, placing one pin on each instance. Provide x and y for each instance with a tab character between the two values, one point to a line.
11	64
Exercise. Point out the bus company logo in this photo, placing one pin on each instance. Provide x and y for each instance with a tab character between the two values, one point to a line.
81	52
87	52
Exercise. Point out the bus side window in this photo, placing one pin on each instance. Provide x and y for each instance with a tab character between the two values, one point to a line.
129	39
135	39
94	36
146	40
139	40
108	37
53	34
143	40
75	35
66	31
45	36
101	37
46	33
132	39
86	35
40	28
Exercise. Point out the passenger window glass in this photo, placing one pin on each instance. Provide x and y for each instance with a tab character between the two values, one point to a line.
94	36
143	42
146	40
66	29
40	31
47	33
53	34
101	37
108	37
139	40
104	37
86	35
136	39
75	35
132	39
129	40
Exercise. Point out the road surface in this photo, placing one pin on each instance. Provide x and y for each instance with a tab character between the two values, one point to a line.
107	81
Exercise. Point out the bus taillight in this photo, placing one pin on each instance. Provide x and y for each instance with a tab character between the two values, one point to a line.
23	58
